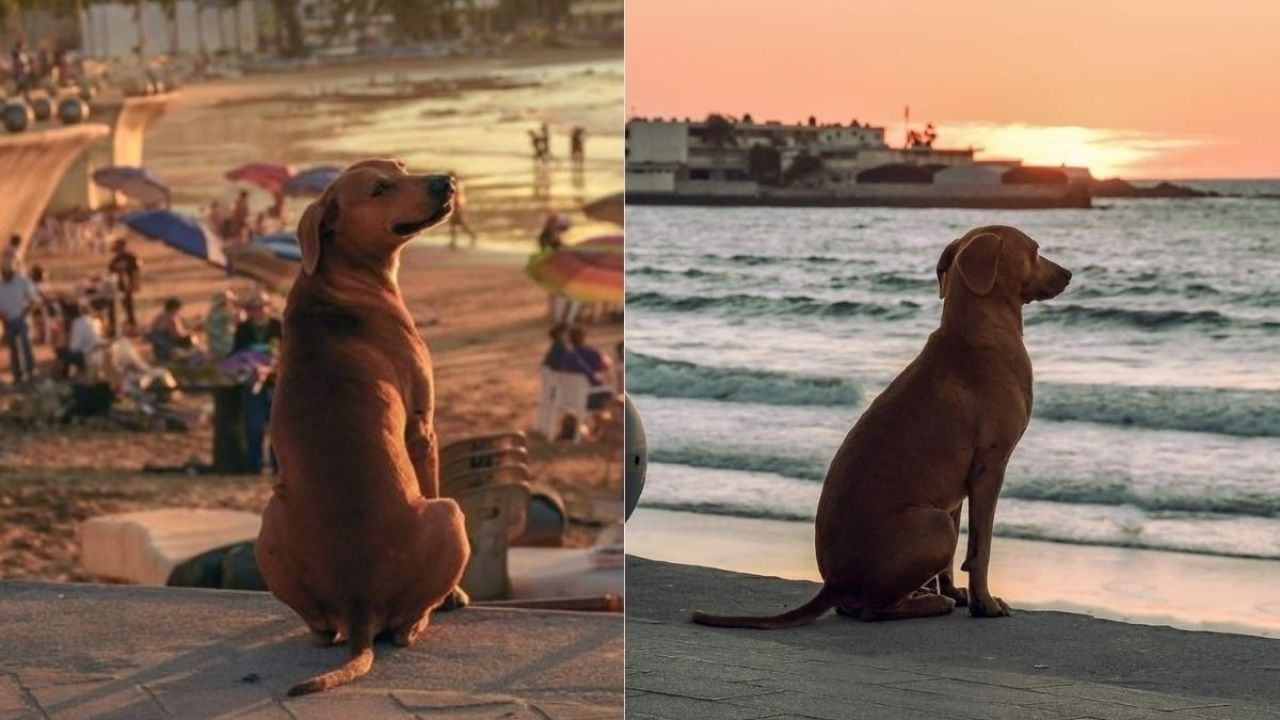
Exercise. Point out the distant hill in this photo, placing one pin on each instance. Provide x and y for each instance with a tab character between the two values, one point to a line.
1115	187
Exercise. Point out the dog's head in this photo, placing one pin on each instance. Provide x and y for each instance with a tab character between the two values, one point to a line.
370	211
998	260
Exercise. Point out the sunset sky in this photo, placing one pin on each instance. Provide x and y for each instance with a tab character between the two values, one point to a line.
1139	88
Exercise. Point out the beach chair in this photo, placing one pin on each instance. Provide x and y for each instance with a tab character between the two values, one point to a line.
546	402
451	485
482	460
479	443
490	511
569	398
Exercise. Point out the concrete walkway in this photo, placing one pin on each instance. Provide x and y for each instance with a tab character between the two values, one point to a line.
95	651
1034	665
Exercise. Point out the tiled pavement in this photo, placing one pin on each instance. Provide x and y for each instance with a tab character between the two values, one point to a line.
84	651
839	669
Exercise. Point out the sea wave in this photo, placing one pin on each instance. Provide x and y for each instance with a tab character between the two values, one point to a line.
1222	411
648	375
1142	319
759	305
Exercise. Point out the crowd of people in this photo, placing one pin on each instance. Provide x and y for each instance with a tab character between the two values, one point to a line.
44	67
97	338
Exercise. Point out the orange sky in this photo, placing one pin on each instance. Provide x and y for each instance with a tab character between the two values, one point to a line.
1139	88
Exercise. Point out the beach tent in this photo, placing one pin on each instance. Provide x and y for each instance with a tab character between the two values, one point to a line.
312	181
181	232
588	272
268	176
136	183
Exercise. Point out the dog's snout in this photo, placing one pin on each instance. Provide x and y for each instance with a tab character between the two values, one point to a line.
442	186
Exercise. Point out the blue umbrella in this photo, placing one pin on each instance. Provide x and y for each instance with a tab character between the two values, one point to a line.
181	232
312	181
135	182
283	245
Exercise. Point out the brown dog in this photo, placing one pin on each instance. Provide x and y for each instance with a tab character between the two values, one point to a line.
889	516
356	538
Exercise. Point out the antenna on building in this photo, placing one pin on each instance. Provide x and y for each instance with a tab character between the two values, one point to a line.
906	126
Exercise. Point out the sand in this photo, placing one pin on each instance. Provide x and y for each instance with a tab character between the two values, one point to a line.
1139	586
483	319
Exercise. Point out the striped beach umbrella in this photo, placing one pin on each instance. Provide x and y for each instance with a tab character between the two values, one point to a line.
181	232
312	181
271	259
587	272
268	176
136	183
283	245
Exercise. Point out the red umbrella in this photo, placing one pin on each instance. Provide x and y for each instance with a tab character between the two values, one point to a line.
268	176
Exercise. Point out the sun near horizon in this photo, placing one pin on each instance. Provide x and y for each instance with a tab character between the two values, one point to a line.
1142	90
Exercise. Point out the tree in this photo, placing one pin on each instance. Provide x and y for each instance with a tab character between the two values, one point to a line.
719	131
802	166
289	36
764	164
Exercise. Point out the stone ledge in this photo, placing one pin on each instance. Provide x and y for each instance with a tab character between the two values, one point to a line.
100	651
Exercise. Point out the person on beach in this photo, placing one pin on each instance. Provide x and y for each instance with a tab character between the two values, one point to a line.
259	331
168	334
554	359
220	324
215	218
458	219
240	217
585	359
84	337
577	145
127	270
21	68
11	258
48	310
553	228
17	296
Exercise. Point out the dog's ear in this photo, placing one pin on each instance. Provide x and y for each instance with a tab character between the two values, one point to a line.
317	221
978	262
944	265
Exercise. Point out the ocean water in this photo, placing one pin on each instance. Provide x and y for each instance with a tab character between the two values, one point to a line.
756	337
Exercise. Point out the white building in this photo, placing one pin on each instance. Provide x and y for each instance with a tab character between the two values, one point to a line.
113	29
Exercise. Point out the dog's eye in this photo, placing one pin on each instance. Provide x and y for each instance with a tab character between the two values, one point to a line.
380	187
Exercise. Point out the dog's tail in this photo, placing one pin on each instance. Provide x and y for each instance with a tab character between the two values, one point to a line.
360	628
803	615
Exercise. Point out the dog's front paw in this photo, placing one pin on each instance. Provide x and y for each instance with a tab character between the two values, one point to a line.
989	608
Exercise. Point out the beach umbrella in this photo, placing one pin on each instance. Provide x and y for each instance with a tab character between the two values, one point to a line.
181	232
268	176
134	182
587	272
606	209
312	181
270	259
283	245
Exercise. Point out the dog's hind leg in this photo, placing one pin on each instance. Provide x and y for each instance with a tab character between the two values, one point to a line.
408	633
945	581
916	606
917	547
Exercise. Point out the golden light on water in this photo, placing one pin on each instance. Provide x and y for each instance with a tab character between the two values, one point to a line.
1106	152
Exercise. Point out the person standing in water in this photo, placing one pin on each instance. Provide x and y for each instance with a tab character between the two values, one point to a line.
458	218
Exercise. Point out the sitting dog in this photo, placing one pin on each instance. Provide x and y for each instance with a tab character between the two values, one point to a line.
356	538
889	516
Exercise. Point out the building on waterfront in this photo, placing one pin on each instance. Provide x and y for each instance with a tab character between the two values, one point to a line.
720	159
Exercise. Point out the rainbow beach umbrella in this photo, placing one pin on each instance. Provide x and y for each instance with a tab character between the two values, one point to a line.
590	271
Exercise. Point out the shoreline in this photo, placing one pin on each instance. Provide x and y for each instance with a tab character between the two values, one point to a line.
1147	587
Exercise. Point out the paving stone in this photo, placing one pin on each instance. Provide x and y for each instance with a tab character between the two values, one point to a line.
1130	696
1231	712
974	691
12	698
695	687
1104	711
675	707
833	708
345	706
112	700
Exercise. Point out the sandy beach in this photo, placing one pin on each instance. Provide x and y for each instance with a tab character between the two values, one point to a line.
1149	587
483	319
